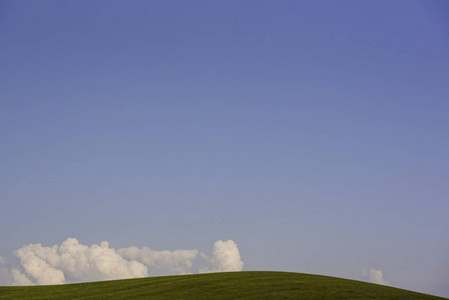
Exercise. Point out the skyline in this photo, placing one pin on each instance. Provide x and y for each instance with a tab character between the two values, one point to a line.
311	134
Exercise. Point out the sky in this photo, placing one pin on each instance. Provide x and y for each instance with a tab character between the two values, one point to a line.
176	137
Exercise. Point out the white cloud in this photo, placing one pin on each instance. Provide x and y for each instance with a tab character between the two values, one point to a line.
74	262
33	258
169	262
20	278
225	257
97	262
45	265
375	276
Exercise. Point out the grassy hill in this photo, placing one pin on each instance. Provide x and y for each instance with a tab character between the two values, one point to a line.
232	285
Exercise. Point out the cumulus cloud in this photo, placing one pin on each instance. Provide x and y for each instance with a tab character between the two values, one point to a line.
176	262
20	278
77	262
374	276
74	262
225	257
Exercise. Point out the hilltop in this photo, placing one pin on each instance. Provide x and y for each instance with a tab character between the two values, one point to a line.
230	285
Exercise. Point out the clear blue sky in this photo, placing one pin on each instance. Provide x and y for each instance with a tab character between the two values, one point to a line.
313	134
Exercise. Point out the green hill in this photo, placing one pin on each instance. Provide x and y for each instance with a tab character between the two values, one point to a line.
232	285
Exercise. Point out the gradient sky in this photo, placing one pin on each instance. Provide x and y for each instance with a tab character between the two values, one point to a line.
313	134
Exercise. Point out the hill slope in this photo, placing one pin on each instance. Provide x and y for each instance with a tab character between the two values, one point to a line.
232	285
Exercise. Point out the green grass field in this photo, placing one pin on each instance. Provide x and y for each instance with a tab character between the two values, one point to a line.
232	285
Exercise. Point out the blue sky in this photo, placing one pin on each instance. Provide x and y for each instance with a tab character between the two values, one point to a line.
313	134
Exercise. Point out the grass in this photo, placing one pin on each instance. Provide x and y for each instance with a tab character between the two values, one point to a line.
231	285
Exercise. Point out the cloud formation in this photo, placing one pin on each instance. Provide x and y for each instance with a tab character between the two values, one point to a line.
375	276
225	257
168	262
75	262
